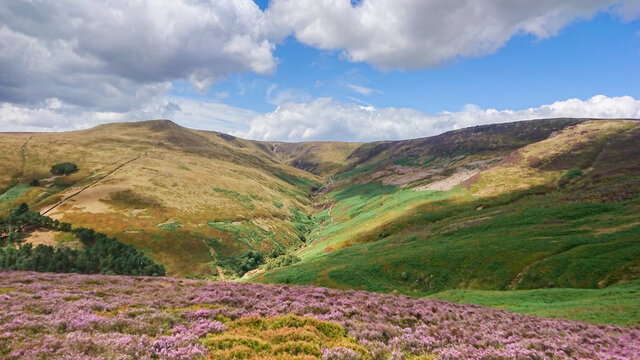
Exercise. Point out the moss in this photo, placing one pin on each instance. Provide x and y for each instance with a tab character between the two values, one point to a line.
280	337
170	226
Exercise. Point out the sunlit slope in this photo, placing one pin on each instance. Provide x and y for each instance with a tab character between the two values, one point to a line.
479	162
187	197
562	211
317	157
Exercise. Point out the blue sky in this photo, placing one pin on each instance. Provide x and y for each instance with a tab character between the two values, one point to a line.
589	57
297	70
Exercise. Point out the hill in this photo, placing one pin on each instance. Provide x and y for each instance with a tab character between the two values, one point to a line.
190	199
538	204
555	206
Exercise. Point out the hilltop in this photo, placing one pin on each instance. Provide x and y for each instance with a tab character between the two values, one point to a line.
527	205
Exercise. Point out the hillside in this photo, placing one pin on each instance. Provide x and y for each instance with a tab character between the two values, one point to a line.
556	206
191	199
528	205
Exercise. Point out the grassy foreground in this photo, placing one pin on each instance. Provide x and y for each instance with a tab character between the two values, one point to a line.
617	304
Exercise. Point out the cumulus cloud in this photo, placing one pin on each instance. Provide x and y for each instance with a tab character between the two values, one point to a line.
68	64
118	55
320	119
410	34
327	119
55	115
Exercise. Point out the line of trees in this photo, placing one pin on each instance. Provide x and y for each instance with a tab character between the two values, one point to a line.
242	263
101	255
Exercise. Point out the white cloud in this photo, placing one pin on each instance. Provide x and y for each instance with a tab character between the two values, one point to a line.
55	115
326	119
277	96
69	64
362	90
628	10
119	55
320	119
410	34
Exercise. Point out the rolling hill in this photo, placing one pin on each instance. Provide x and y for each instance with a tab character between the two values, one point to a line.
191	199
539	204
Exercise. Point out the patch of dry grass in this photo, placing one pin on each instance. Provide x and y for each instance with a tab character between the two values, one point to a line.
523	169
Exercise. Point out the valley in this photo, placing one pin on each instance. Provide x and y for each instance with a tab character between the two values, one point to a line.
488	215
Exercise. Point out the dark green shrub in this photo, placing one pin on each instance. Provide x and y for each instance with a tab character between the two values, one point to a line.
274	252
568	176
240	264
65	168
34	182
572	174
280	261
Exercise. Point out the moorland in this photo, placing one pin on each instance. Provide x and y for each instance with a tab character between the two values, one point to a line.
539	217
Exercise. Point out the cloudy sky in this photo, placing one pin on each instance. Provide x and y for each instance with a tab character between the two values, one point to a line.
292	70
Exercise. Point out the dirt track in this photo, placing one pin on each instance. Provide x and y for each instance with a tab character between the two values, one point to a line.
90	185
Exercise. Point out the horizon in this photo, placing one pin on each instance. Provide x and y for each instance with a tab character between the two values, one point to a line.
315	141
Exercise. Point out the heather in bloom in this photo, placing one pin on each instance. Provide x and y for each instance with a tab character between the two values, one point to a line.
70	316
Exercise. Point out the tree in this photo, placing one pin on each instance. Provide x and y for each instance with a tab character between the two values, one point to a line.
102	254
20	210
65	168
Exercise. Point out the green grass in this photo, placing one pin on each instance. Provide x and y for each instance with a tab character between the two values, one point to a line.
243	199
617	304
520	241
357	170
283	337
9	197
359	210
63	238
245	232
171	226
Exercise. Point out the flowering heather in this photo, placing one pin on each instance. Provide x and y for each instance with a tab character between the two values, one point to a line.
69	316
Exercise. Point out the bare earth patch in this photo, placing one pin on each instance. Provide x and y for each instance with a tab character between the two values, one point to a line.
460	175
446	184
41	238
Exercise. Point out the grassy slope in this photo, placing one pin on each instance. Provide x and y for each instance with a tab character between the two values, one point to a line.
617	304
526	243
320	158
509	227
174	182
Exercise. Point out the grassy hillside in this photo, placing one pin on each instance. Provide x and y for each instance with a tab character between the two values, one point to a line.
529	205
561	211
616	304
162	188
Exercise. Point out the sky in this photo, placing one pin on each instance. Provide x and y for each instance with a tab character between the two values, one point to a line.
299	70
